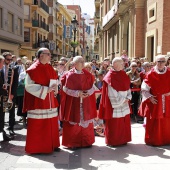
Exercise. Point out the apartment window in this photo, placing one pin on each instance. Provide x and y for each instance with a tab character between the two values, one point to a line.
10	22
152	12
1	19
26	35
26	12
19	26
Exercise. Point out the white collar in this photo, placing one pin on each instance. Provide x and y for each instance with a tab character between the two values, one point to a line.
156	69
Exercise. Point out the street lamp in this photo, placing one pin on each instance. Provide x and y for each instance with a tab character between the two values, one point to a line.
74	23
87	48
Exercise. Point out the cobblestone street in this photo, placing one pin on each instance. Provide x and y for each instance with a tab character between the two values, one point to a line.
134	156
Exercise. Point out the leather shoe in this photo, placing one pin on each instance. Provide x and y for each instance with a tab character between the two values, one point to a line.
57	149
12	133
7	138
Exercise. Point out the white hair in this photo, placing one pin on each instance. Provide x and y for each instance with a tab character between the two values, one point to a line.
160	57
77	59
133	64
117	59
145	64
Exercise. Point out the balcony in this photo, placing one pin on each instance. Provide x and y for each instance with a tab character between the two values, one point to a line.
59	23
44	26
35	23
123	4
97	3
42	5
97	16
35	45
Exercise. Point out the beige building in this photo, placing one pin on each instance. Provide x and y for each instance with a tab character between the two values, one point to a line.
139	26
63	20
36	28
11	25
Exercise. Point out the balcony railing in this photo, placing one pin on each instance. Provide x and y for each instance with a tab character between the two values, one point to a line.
35	45
44	26
42	5
41	24
97	14
40	43
35	23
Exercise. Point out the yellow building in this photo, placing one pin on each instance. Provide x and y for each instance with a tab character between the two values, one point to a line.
97	26
36	28
63	18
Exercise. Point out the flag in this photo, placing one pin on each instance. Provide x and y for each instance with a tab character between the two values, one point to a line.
67	31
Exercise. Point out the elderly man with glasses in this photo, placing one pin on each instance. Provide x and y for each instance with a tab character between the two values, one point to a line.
78	106
41	105
155	104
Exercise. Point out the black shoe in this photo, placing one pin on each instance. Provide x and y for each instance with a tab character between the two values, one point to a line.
12	133
7	138
73	148
57	149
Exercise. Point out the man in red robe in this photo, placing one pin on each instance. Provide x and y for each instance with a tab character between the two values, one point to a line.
114	105
155	104
41	105
78	106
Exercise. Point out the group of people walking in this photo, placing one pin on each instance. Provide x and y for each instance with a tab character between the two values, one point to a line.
77	110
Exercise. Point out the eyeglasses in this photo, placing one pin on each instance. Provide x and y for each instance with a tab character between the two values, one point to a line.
49	54
134	66
62	64
8	59
148	66
161	61
28	64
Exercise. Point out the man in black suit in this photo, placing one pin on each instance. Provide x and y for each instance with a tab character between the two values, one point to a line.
7	72
3	92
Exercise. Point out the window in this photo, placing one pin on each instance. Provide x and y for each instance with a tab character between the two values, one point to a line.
19	26
1	25
26	35
26	12
152	12
10	22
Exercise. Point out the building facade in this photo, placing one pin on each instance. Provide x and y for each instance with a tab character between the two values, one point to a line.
36	28
138	26
11	25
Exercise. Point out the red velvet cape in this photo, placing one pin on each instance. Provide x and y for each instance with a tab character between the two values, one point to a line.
70	106
160	84
41	74
120	82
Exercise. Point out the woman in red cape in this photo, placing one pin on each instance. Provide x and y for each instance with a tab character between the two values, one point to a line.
114	105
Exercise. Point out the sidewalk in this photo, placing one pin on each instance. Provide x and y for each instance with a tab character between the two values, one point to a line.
133	156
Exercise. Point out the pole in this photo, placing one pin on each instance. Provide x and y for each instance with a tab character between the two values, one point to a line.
74	41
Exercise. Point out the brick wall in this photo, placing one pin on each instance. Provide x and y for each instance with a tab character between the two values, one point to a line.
140	35
166	27
50	3
50	20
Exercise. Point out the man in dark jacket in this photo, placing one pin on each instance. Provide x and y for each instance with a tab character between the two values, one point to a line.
3	92
11	73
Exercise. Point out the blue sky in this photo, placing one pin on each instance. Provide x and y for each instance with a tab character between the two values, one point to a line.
87	6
